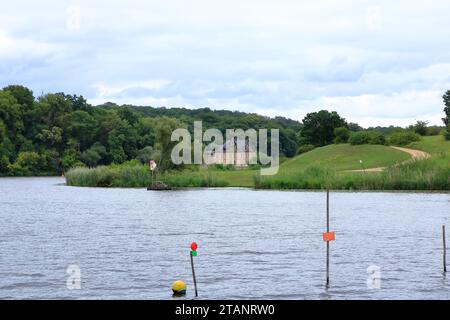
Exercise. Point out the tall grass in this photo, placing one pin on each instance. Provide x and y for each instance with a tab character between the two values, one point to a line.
134	176
96	177
429	174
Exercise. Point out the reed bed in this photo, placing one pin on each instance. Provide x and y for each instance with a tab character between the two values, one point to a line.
138	176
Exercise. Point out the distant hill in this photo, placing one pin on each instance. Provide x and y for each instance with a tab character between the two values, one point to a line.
214	118
224	119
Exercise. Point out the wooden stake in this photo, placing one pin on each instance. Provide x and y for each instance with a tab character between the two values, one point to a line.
445	248
328	242
193	274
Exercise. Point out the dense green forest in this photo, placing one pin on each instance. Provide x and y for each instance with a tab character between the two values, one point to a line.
57	131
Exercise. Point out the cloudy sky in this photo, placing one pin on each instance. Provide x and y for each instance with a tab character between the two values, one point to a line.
375	62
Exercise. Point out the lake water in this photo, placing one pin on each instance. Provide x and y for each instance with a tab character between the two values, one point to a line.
133	243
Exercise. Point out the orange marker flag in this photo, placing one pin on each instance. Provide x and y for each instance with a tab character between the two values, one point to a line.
328	236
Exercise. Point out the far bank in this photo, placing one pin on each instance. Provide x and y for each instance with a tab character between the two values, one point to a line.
339	167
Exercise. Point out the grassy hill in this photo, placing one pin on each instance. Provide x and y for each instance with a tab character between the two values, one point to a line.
429	174
433	144
337	157
345	157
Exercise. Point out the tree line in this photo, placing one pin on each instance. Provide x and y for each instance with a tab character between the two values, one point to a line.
56	131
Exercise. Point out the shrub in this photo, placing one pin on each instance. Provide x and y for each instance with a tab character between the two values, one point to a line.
421	127
402	138
305	148
69	160
27	163
342	134
434	131
90	157
377	138
4	163
145	154
447	135
360	137
367	137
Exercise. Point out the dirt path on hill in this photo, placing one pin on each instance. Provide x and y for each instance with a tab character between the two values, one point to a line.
415	155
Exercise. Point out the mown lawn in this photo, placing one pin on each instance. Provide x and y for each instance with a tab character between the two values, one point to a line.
238	177
342	157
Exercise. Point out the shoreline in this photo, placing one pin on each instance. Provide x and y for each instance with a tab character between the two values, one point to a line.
422	191
278	190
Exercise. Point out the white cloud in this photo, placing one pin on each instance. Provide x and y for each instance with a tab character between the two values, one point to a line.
105	91
400	108
374	18
373	63
73	18
12	47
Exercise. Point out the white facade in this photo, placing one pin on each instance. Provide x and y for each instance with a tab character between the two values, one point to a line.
237	154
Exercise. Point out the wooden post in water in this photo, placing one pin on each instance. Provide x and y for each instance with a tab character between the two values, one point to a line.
328	242
193	274
445	249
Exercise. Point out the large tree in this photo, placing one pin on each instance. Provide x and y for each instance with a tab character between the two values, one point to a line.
10	114
446	120
318	127
82	127
23	95
163	132
288	142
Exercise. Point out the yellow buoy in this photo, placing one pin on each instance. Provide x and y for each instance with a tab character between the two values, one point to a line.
179	287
